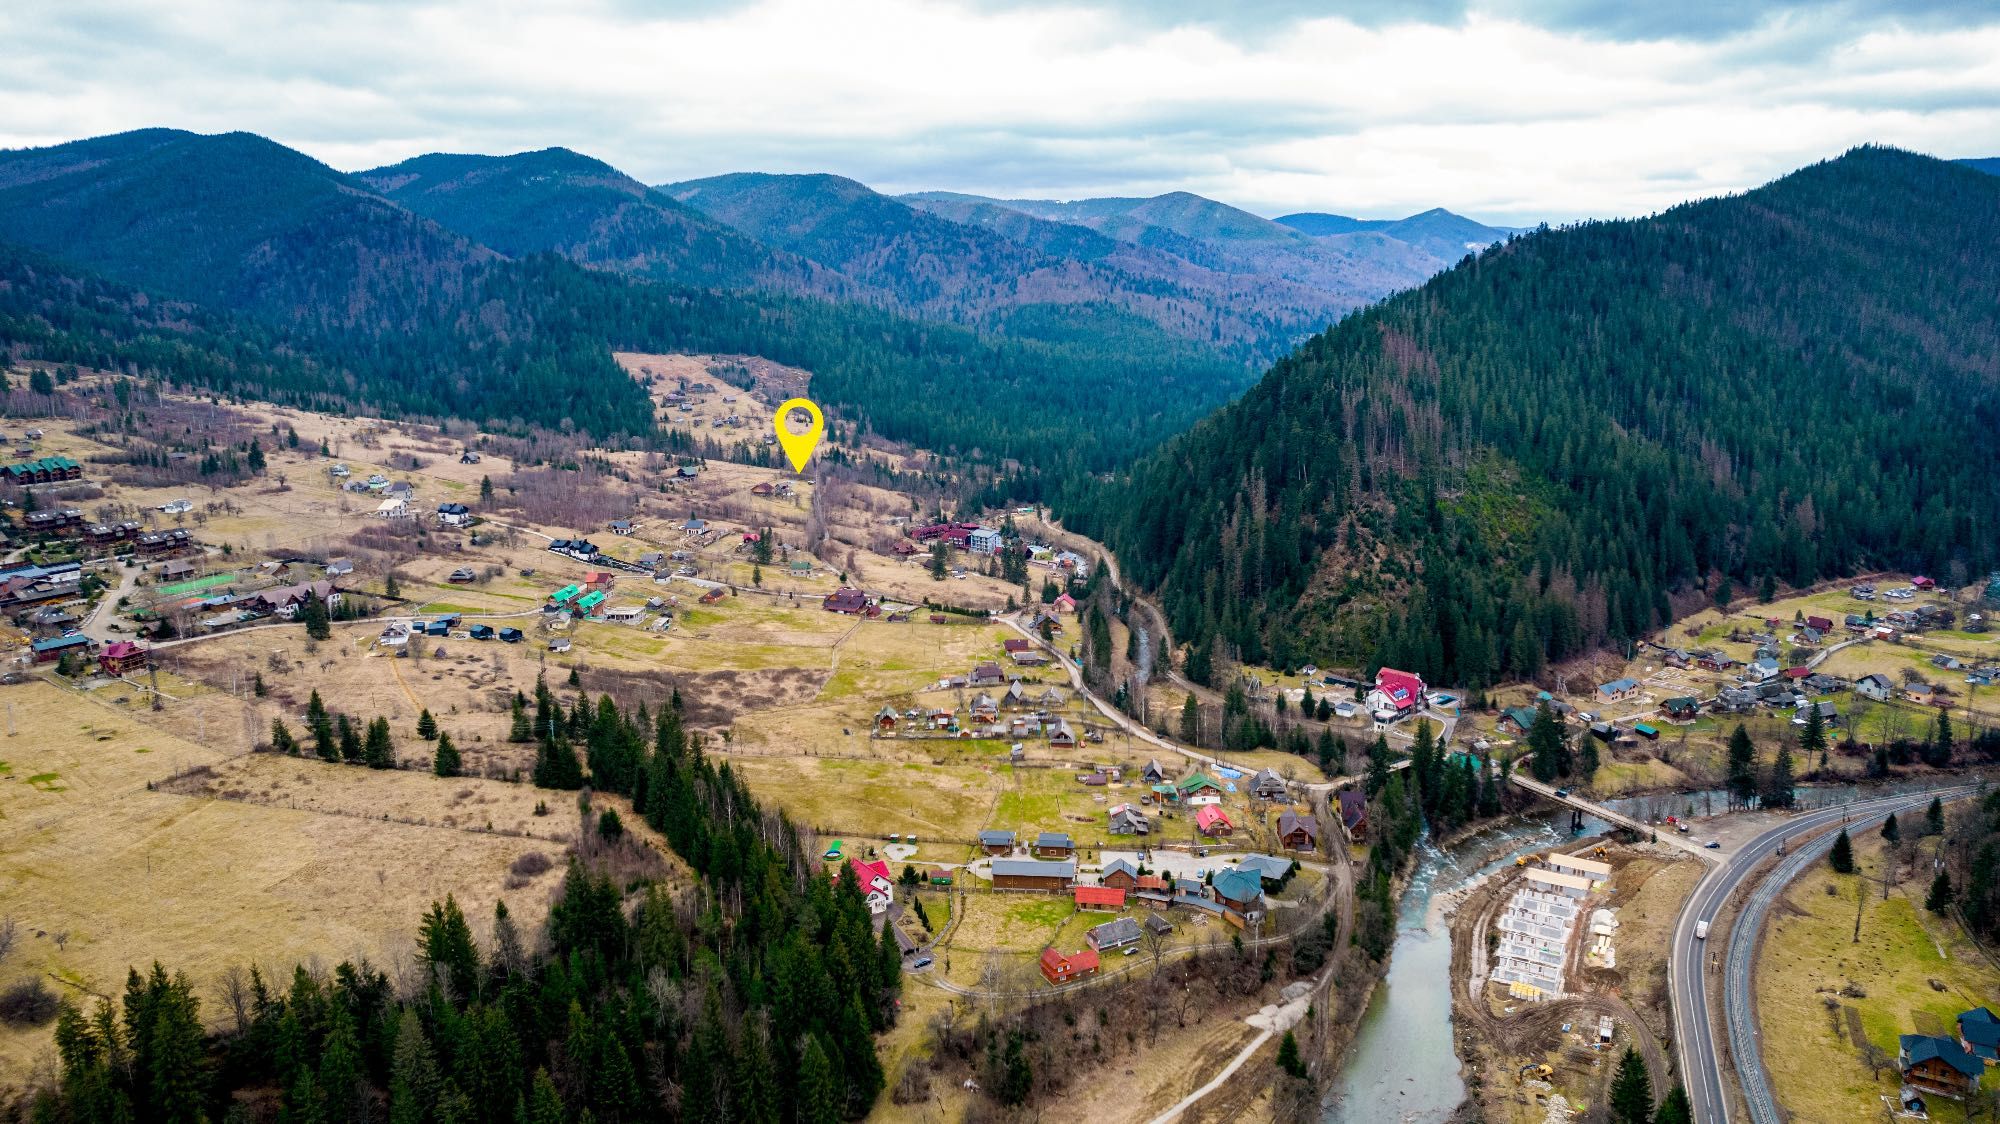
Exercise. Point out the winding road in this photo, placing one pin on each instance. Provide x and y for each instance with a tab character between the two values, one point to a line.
1687	978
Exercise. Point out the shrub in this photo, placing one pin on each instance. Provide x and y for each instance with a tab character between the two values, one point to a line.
27	1002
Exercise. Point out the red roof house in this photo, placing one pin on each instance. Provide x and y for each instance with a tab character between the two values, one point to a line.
1058	969
1397	690
1211	820
876	885
1820	623
121	657
1064	603
1098	897
1797	672
1017	644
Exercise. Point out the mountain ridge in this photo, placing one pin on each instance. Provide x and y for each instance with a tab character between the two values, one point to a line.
1556	443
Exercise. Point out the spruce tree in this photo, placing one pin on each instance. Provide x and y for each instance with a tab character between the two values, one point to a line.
1814	740
350	739
1545	745
1288	1056
1891	830
413	1074
320	725
1632	1090
1841	858
520	728
819	1096
1779	791
1742	765
318	625
427	727
379	752
281	738
445	760
1675	1109
1934	817
1941	894
1191	720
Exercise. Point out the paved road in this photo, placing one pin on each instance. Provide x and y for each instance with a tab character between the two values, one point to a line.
1738	1011
1687	963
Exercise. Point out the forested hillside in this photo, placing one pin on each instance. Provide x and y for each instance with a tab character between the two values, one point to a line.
562	202
234	263
1539	451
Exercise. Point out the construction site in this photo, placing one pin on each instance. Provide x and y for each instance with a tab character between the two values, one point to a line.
1559	964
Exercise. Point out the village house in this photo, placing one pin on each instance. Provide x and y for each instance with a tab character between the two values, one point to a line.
1152	773
1054	845
996	842
1681	708
286	601
876	885
1241	892
1920	692
1120	875
1268	785
1521	718
1033	874
1016	697
1098	897
45	470
1396	694
986	675
454	514
1618	690
886	719
1113	934
1979	1034
1060	969
1061	736
1213	822
985	708
1298	832
1125	819
848	602
121	657
1938	1065
53	648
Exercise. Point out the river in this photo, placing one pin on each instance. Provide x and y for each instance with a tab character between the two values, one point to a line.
1401	1068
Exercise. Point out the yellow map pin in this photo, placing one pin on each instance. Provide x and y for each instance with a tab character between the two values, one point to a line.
799	446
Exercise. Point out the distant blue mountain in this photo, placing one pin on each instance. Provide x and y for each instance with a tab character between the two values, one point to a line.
1437	232
1988	164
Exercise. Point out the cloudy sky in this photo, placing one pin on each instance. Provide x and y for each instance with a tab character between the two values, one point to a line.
1506	110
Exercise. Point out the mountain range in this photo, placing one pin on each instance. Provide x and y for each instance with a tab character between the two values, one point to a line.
1562	442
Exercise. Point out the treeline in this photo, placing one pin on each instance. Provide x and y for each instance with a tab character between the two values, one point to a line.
1539	451
754	996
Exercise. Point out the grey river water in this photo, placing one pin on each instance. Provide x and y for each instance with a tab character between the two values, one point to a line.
1401	1068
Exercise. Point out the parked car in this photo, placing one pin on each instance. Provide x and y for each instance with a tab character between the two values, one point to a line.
923	961
1562	794
1713	844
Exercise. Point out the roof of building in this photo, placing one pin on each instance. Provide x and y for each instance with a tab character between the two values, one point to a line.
1919	1048
867	872
1289	821
1558	878
995	838
1981	1027
58	643
1578	862
1098	896
1082	960
1404	688
1113	934
1353	806
1210	815
1054	839
1269	867
1238	886
1035	868
1617	686
1116	865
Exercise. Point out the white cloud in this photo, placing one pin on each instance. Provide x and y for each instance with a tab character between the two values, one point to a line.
1483	113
